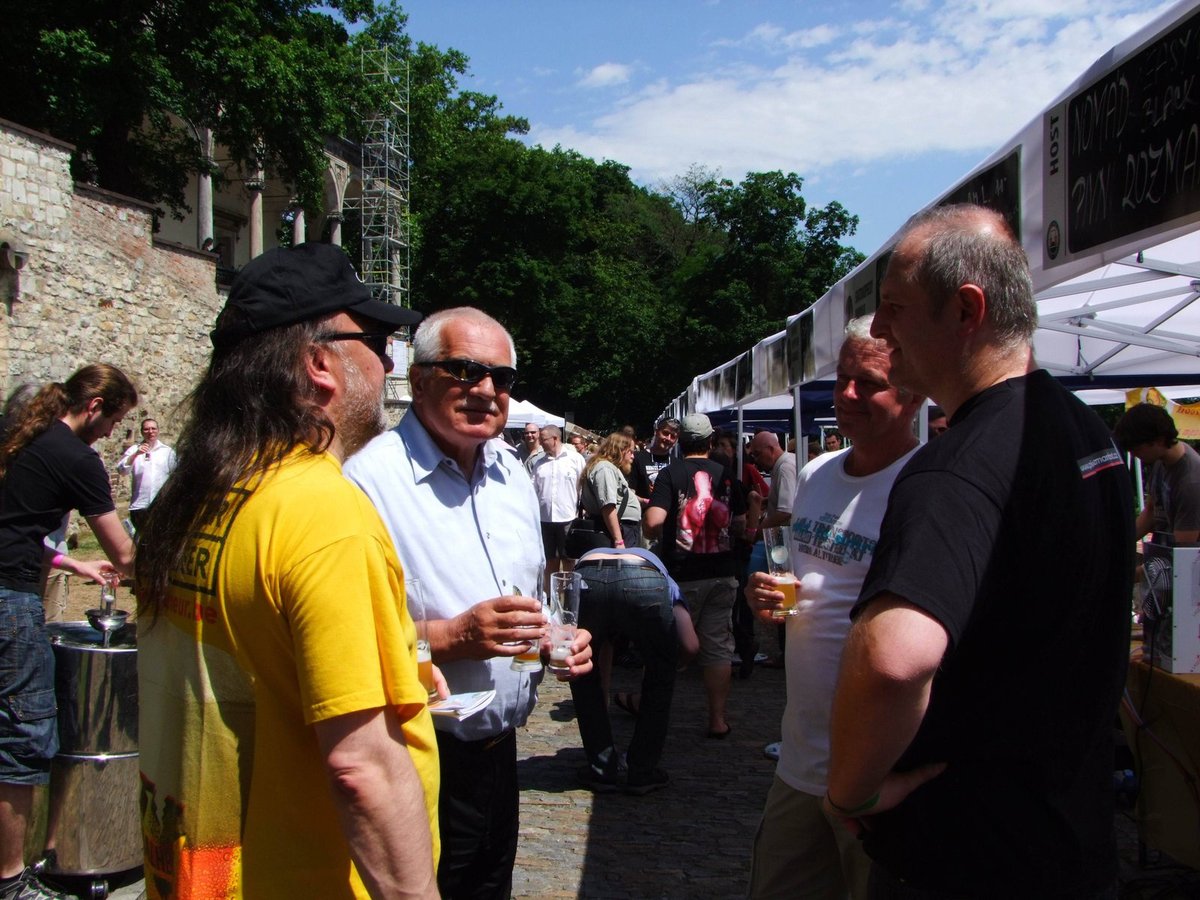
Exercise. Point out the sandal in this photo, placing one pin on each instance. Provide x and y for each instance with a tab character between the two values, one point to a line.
721	735
628	701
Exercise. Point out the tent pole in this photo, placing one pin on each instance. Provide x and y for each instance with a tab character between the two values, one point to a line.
797	429
740	420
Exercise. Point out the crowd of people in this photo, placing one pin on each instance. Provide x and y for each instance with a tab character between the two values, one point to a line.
288	544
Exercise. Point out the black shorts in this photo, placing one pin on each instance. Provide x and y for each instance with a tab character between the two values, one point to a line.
554	539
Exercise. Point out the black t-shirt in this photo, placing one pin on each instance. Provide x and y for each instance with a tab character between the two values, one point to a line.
1014	530
701	503
645	469
55	473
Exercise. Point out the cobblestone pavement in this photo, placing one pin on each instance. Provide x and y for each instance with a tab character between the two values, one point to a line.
692	839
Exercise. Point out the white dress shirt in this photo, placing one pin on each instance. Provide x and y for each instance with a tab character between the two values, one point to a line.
467	538
149	472
556	481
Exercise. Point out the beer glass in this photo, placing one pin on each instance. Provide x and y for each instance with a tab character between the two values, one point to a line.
415	598
564	618
529	659
779	567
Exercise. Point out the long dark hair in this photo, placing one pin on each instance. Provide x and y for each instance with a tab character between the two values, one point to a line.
57	399
252	407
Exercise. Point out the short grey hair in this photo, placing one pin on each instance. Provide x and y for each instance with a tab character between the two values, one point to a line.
968	244
429	343
553	431
859	329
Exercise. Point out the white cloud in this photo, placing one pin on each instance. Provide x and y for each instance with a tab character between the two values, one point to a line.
606	75
964	77
775	39
812	37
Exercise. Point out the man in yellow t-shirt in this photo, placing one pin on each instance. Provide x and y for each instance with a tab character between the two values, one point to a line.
286	746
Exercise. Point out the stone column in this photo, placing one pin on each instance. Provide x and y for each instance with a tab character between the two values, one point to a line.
298	229
335	229
204	189
255	186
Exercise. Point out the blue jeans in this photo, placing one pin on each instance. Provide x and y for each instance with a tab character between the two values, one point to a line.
633	602
28	727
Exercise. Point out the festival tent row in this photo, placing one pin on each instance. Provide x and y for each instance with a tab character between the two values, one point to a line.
1103	189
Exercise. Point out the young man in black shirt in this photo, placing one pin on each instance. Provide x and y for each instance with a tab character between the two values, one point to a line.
47	468
656	457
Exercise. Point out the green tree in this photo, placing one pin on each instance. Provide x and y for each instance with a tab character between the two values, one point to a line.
272	79
616	295
761	255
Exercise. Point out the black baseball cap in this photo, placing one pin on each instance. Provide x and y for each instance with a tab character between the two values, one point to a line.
286	285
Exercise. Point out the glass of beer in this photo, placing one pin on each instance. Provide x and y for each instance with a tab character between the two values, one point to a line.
529	659
779	567
416	608
564	618
562	635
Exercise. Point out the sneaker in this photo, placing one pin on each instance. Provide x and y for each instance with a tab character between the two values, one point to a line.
644	782
28	887
771	751
597	780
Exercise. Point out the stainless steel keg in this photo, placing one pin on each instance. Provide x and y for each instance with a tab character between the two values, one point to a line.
94	824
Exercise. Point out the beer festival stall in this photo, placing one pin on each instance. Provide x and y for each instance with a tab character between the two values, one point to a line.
1103	189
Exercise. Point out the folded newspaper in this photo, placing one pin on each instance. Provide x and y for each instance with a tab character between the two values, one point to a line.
460	706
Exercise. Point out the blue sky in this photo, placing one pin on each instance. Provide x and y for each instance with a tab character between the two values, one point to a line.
879	105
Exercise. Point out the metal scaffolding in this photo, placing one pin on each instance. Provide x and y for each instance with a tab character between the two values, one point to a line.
384	205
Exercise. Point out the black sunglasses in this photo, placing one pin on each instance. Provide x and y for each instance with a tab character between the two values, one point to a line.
376	341
470	372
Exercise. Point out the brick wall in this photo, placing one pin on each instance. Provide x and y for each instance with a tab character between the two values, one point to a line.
97	287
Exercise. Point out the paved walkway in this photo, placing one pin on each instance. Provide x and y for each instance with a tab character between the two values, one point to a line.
689	840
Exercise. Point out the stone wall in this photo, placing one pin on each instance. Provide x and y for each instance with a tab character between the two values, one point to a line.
97	287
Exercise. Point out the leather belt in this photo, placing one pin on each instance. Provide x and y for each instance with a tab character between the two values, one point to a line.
483	745
603	562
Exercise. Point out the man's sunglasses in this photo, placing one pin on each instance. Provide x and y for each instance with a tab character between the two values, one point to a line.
376	341
468	371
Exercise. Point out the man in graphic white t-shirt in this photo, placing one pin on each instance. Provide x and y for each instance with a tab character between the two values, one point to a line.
839	504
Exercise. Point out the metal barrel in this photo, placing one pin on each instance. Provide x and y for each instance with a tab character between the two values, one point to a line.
94	824
96	688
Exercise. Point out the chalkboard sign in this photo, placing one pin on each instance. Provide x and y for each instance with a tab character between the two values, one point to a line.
774	365
745	375
1133	142
802	365
998	187
862	293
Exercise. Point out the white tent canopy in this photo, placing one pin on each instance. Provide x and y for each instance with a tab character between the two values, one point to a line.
1104	190
522	412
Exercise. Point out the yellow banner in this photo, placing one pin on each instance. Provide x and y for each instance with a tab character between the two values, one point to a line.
1185	415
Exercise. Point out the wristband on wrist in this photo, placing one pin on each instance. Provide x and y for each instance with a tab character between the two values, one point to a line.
57	561
618	543
856	811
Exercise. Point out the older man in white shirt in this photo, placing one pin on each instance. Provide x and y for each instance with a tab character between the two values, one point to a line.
463	517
